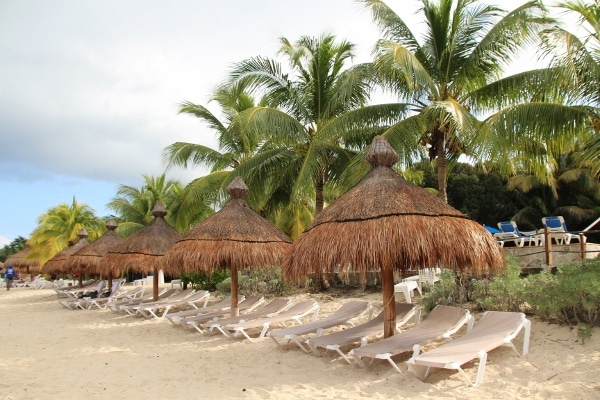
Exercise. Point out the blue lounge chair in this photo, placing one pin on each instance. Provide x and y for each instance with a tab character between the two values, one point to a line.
509	232
557	227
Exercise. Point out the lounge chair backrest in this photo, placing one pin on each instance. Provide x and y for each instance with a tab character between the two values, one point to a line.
351	308
555	223
100	286
509	227
495	324
443	317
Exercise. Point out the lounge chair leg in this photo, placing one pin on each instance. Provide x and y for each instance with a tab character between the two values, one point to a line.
393	364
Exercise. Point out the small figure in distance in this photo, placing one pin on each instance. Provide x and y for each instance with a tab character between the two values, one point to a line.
9	275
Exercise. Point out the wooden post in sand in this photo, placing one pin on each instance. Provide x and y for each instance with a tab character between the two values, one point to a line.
235	310
548	247
389	303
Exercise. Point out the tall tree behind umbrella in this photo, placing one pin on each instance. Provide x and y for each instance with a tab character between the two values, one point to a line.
235	237
387	223
89	258
61	262
144	250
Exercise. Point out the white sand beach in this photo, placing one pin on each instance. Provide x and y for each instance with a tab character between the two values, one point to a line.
50	352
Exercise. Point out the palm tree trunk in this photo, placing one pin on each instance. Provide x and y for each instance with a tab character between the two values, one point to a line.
319	200
441	165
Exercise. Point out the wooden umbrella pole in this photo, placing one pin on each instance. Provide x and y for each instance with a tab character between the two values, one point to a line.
155	284
389	304
235	310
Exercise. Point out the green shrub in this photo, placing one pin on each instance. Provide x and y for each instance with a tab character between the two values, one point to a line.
446	291
204	281
260	281
570	296
501	293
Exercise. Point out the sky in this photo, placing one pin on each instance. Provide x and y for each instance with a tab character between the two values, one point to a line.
89	90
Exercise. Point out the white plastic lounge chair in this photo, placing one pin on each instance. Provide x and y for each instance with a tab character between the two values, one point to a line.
293	314
74	296
273	307
407	287
363	332
188	297
225	304
342	316
85	303
139	298
192	300
120	294
557	227
129	306
73	291
494	329
440	323
511	233
248	305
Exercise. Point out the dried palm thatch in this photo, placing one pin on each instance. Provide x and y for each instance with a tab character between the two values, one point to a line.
20	262
144	250
386	223
89	258
61	262
235	237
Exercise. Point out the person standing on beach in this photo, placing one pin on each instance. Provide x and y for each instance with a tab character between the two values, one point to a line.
9	275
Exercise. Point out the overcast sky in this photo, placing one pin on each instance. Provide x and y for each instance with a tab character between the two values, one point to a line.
89	90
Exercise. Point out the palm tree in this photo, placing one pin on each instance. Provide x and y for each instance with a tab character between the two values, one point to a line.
134	206
453	75
305	144
59	226
579	55
235	147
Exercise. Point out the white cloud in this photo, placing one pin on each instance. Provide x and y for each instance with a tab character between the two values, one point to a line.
4	241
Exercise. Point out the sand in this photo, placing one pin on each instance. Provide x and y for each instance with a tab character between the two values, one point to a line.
50	352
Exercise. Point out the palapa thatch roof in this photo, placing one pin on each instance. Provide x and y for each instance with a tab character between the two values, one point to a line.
234	237
143	251
387	223
89	258
20	262
61	262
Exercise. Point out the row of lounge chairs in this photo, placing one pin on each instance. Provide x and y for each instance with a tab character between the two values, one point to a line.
508	231
298	323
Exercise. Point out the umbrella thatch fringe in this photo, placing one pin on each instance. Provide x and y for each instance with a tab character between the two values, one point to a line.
210	255
144	263
383	243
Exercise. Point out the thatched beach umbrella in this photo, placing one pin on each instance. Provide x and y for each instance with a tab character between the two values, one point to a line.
89	258
144	250
235	237
387	223
61	262
20	262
